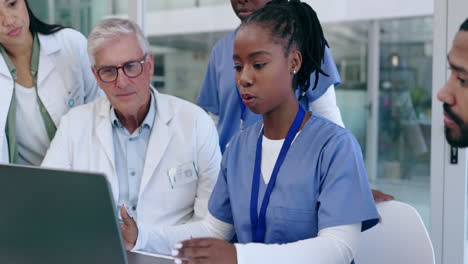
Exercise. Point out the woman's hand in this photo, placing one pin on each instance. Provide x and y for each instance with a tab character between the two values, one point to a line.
381	197
205	251
129	229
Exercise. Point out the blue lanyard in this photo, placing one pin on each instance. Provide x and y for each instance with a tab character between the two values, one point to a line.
258	221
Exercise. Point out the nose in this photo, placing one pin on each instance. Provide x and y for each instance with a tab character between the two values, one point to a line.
245	78
445	94
122	80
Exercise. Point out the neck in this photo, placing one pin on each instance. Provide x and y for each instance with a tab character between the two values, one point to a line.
134	120
24	49
277	122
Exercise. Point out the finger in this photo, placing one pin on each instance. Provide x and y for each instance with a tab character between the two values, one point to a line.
380	196
197	242
192	261
128	246
192	252
123	212
125	217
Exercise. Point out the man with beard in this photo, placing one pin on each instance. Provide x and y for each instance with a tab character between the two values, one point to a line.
454	94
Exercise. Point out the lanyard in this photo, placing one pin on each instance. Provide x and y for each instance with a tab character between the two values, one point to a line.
10	128
258	221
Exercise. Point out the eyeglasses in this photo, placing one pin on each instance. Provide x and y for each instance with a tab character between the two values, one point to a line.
132	69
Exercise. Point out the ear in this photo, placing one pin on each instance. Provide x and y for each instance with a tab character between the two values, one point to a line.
295	59
95	74
150	61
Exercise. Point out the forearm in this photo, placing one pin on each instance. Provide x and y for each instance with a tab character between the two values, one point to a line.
335	245
162	239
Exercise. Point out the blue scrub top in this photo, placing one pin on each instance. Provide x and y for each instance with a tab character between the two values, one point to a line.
322	183
219	96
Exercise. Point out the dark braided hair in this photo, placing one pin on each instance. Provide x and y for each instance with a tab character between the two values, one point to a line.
295	24
464	26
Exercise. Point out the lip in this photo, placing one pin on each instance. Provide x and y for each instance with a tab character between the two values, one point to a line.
448	122
244	12
125	94
248	99
15	32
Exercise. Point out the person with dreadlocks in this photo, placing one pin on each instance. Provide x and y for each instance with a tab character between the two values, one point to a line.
292	185
219	97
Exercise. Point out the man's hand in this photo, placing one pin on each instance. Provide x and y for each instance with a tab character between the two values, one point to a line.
381	197
205	251
129	229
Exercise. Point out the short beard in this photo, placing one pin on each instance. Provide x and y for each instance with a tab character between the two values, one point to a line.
461	141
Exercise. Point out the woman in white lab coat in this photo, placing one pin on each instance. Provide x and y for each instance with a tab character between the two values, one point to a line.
44	71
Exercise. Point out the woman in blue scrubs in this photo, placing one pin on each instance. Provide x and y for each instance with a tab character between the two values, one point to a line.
293	186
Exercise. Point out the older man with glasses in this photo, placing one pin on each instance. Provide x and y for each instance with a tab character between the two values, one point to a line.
159	153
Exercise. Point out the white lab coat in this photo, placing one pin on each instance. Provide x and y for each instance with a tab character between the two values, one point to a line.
182	134
64	79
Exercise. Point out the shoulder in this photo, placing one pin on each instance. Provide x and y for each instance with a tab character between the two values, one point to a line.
225	43
66	35
328	135
182	109
69	34
83	114
67	39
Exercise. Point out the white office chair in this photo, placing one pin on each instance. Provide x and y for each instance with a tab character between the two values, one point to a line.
399	238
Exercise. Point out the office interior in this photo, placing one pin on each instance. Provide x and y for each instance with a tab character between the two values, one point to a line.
391	56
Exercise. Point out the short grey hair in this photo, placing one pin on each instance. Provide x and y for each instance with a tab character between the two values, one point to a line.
110	28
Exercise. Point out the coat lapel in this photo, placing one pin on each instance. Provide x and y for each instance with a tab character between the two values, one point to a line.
49	45
5	99
159	139
104	135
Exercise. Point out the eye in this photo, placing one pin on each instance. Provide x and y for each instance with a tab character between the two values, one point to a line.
463	82
12	4
238	68
259	66
107	70
132	66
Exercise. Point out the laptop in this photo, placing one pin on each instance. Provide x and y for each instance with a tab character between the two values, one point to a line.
56	216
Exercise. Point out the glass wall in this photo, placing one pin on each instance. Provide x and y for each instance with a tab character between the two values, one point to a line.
181	62
404	103
405	110
349	45
78	14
